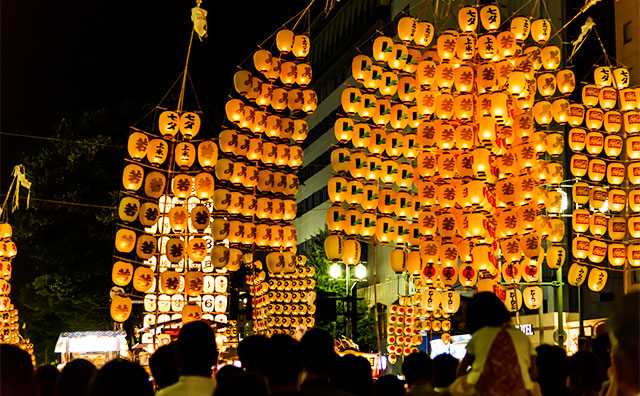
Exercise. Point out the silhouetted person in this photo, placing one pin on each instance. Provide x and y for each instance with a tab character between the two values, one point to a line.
196	355
352	374
163	366
586	374
123	378
388	385
444	369
226	373
252	355
75	377
243	384
16	371
601	346
624	332
501	358
45	379
285	365
418	371
553	366
319	357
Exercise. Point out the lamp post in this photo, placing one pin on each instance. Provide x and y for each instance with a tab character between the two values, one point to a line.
360	273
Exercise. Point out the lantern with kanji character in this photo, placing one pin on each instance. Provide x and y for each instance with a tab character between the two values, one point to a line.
555	257
597	279
122	273
143	279
120	308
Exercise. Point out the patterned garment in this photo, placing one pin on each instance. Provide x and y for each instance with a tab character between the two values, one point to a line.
501	375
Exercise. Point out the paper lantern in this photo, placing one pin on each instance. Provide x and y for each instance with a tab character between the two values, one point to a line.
423	34
351	252
595	143
555	257
633	254
398	260
579	165
445	76
189	124
540	30
468	19
607	98
633	147
634	200
634	172
146	246
366	110
353	222
393	146
602	76
580	247
284	40
511	272
576	114
598	224
597	279
382	47
122	273
577	139
533	297
616	254
594	118
360	67
634	227
615	173
371	197
490	17
628	99
446	44
542	112
617	200
513	300
340	160
465	46
368	225
309	101
546	84
301	46
488	47
398	58
580	220
181	186
382	112
620	77
520	28
431	300
372	79
132	177
613	145
389	84
507	44
169	123
385	229
120	308
351	102
597	251
334	247
590	95
361	136
560	110
143	279
612	121
337	189
125	240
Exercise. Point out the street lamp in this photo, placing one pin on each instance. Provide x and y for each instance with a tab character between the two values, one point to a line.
360	273
335	270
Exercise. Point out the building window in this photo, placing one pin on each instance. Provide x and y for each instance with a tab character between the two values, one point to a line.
626	32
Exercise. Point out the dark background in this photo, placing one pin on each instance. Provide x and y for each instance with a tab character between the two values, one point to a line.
59	59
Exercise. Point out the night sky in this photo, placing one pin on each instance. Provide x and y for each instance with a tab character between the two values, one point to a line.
59	59
62	58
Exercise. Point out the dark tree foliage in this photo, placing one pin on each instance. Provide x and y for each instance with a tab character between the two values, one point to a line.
62	270
316	257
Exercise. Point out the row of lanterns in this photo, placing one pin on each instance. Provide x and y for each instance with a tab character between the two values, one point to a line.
601	222
164	247
9	326
261	155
